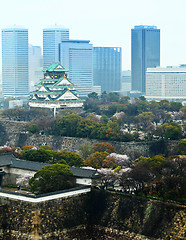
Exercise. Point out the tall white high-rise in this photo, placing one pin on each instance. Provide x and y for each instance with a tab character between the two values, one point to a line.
77	56
166	83
52	37
15	62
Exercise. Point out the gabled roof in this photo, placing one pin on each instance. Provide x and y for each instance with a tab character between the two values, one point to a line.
48	78
42	89
63	81
55	67
67	95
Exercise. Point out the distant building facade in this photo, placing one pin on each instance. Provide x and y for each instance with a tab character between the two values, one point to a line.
15	62
126	83
52	38
35	66
77	56
97	89
166	83
145	53
107	68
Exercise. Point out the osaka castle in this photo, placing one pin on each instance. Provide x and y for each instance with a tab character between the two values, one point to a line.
55	90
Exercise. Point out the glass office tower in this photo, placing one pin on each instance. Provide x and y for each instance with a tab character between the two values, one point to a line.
145	53
15	62
35	61
107	68
77	56
52	37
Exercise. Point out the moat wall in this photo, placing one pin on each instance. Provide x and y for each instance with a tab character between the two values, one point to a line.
17	135
96	215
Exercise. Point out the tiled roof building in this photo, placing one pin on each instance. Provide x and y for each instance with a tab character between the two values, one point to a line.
55	90
14	168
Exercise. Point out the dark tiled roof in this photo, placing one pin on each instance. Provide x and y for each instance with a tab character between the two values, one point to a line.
9	159
29	165
6	159
84	173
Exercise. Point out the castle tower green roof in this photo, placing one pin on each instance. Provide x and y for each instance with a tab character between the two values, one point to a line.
55	90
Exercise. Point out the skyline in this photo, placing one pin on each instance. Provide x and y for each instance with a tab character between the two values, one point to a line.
103	23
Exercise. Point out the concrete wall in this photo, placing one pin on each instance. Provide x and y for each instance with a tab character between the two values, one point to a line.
17	135
96	215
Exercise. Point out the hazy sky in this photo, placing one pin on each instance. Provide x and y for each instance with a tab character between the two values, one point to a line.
104	22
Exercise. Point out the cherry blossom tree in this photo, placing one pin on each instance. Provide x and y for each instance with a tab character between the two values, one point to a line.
24	180
121	160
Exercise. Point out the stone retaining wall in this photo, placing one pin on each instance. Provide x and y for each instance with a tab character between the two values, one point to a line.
96	215
17	135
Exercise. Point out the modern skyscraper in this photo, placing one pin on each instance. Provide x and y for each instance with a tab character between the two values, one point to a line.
107	68
145	53
15	62
35	66
77	56
126	82
52	37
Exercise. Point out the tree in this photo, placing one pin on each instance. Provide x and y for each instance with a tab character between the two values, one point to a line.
182	147
124	99
121	160
23	181
113	97
165	104
64	112
172	183
131	109
51	178
161	116
104	97
93	95
172	131
37	155
67	126
45	147
91	105
142	98
3	135
106	177
12	150
109	162
103	147
113	131
71	158
183	111
33	128
28	147
85	127
142	106
175	106
85	150
19	114
96	159
145	118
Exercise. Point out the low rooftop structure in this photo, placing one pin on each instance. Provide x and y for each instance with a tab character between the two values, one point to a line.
15	168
